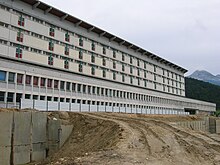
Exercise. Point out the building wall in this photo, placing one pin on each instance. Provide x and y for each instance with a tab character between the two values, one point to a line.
119	75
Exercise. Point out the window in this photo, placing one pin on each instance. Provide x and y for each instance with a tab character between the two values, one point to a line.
145	65
93	90
56	84
138	81
104	62
93	58
42	82
123	57
50	60
79	88
49	83
80	41
67	37
89	89
131	80
155	68
11	77
18	52
80	54
103	73
66	64
114	65
145	74
80	68
123	78
123	67
131	70
145	83
20	36
52	31
28	80
68	86
2	96
35	82
104	50
93	46
2	75
138	72
114	76
51	46
114	54
73	87
21	21
62	85
98	90
131	60
93	71
20	78
10	97
67	50
138	63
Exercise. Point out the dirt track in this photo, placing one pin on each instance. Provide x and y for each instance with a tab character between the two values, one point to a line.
101	138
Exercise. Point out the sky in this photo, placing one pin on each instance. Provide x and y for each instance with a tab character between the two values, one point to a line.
184	32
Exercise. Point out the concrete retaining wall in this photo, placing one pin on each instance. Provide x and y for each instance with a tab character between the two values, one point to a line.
29	136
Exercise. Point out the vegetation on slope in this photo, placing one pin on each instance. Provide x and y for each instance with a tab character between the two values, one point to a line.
200	90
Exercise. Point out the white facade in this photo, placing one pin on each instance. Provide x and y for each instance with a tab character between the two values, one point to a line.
49	55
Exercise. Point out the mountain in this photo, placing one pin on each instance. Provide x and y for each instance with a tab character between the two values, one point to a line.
206	76
204	91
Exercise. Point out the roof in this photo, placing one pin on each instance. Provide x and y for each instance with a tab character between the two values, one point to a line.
64	16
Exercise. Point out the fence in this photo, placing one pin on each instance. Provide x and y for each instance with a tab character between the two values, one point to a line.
79	107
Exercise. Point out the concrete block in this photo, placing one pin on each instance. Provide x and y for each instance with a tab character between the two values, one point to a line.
101	108
27	103
21	154
53	106
39	127
93	108
85	108
64	106
5	155
40	105
6	119
218	126
39	152
66	132
22	127
75	107
109	109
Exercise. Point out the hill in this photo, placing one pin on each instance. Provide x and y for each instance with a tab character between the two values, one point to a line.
201	90
206	76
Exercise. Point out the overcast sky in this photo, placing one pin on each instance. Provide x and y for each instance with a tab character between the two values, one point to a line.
185	32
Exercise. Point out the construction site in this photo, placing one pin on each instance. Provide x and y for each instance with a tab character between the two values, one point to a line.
107	138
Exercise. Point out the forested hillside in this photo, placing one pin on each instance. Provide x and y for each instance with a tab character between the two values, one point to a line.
202	91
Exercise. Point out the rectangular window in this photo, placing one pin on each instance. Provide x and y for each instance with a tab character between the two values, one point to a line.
123	67
131	60
11	77
123	57
138	63
114	65
93	90
131	80
20	37
80	41
21	21
56	84
19	78
62	85
80	68
131	70
98	90
138	72
2	75
52	31
104	73
123	78
114	76
66	64
89	89
80	54
84	88
49	83
93	71
42	82
104	62
68	86
93	58
10	97
51	46
28	80
73	87
50	60
67	51
18	52
67	37
79	88
114	54
35	82
104	50
93	46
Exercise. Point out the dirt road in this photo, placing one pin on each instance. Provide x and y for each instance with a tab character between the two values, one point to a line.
122	139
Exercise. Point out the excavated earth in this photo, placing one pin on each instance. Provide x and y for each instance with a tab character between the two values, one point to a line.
124	139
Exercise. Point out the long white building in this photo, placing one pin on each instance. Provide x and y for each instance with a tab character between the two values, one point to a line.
49	55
